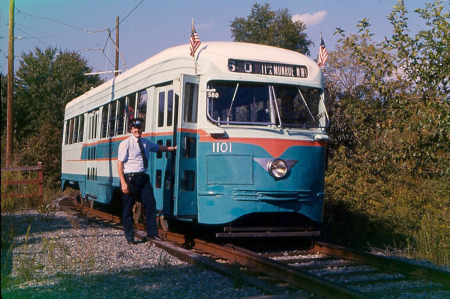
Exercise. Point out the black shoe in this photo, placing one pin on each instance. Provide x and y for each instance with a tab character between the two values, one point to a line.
151	238
131	242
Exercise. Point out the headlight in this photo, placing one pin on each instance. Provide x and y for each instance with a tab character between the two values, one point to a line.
277	168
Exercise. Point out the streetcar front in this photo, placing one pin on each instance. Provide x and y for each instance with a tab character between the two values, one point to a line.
264	150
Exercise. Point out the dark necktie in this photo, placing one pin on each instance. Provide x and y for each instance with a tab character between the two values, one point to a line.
143	153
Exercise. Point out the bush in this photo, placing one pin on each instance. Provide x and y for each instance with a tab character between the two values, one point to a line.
400	211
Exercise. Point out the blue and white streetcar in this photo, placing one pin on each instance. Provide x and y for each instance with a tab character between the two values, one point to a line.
250	125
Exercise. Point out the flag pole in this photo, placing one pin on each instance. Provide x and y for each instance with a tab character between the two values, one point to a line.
195	60
194	44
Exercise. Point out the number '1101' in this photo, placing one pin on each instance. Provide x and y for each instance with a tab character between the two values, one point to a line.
221	147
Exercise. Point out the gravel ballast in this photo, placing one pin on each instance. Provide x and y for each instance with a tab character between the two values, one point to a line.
55	255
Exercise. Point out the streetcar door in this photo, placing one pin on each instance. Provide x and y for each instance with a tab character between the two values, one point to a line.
163	162
185	186
91	155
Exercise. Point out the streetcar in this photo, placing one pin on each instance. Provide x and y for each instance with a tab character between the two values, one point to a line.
250	125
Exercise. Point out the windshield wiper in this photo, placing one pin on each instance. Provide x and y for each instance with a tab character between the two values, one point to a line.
306	105
274	100
232	101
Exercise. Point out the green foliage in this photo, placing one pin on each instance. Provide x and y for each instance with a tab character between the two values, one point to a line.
273	28
45	82
389	167
424	57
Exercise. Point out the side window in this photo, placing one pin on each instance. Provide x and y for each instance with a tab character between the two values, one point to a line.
121	111
89	137
158	179
142	106
95	125
191	147
112	118
71	131
190	103
104	121
66	133
81	134
130	108
75	130
159	154
169	107
161	97
188	181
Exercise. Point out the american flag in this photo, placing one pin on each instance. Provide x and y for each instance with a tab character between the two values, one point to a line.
195	41
323	54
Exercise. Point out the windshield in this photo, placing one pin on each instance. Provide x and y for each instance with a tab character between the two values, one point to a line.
254	104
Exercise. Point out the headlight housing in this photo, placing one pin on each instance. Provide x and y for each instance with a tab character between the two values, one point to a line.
277	168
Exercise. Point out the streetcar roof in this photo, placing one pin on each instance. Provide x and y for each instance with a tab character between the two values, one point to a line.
212	57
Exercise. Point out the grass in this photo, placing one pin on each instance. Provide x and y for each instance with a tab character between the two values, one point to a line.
402	214
22	252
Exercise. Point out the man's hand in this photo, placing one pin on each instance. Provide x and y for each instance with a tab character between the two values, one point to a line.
124	188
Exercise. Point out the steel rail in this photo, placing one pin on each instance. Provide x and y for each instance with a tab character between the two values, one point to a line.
297	278
236	255
385	262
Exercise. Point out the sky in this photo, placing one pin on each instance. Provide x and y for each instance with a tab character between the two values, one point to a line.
150	26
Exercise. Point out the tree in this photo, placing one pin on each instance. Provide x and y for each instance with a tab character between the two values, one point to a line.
398	109
273	28
46	81
425	57
410	76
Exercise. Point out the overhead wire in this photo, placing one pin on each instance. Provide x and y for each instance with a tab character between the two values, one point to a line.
128	14
61	23
114	43
30	36
89	31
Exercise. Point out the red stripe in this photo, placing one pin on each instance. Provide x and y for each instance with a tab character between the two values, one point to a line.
275	147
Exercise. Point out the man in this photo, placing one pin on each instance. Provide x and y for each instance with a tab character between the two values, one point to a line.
132	164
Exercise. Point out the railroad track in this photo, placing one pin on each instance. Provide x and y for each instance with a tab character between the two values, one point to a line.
325	270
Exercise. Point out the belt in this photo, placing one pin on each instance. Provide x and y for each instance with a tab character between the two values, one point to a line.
134	174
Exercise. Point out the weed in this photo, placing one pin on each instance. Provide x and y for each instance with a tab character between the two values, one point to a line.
163	259
74	222
44	209
27	265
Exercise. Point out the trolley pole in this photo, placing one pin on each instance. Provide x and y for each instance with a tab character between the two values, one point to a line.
117	48
10	88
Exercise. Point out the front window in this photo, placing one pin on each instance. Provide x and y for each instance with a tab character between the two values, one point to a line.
265	104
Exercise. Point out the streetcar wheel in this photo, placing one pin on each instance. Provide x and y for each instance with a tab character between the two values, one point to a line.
164	222
84	201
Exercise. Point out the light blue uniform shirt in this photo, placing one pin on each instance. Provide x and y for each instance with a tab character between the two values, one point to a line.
130	154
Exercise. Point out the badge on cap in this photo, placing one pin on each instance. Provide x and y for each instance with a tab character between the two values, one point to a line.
137	122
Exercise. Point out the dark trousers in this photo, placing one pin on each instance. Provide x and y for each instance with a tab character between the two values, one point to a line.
139	185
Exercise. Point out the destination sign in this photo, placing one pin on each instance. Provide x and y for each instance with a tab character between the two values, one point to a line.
267	68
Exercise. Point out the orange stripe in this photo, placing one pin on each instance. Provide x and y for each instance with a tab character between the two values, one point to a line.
275	147
125	137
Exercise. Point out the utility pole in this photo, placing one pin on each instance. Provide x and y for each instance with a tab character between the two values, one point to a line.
10	88
117	48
